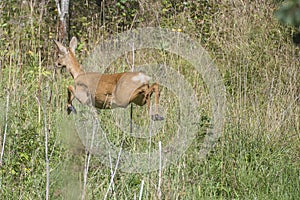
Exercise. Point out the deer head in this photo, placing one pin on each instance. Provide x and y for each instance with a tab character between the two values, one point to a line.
66	57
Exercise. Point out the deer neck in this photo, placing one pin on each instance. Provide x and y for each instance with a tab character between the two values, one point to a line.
74	67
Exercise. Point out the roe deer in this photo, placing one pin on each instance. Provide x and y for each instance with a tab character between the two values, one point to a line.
105	91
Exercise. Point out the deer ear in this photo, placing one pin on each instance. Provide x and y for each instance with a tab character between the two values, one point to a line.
73	44
61	47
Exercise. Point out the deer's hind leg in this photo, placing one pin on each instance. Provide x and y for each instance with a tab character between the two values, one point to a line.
71	96
154	88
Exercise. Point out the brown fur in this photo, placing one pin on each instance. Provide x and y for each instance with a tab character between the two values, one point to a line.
105	91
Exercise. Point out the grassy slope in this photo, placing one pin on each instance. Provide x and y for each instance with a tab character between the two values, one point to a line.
257	157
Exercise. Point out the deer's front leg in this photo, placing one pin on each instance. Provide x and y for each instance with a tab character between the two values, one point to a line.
71	96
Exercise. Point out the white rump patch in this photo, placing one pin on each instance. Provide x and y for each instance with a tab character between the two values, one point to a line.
141	78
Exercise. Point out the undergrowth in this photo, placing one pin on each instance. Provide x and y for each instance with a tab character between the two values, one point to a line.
257	156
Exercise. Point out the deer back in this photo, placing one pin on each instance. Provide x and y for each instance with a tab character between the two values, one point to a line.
109	90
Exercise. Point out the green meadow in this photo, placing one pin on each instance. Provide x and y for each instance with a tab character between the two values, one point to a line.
257	155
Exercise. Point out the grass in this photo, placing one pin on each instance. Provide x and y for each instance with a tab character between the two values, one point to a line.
257	156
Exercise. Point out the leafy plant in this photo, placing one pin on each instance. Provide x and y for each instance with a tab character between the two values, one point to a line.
289	13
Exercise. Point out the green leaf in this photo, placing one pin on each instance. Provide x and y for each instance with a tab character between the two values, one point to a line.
289	13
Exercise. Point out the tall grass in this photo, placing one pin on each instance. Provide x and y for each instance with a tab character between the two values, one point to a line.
257	156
